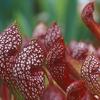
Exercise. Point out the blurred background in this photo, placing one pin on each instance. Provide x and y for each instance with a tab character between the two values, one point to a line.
29	12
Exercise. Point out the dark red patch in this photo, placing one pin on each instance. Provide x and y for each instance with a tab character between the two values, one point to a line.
87	17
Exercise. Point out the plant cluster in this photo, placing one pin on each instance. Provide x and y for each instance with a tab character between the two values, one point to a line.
45	68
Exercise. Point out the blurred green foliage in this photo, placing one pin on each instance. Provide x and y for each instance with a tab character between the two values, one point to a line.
29	12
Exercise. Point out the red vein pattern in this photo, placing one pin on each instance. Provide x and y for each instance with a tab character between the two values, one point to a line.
91	73
52	35
28	73
57	52
10	44
56	62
